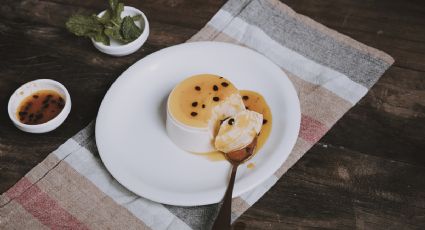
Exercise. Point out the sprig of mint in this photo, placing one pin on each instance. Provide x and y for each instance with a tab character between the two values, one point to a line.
109	25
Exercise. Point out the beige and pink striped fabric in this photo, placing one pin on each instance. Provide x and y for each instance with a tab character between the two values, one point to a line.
71	189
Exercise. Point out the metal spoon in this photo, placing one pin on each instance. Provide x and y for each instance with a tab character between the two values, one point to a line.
236	158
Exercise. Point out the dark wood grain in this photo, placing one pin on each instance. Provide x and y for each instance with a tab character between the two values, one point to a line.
366	173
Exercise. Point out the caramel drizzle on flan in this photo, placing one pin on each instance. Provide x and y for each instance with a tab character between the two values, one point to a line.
192	100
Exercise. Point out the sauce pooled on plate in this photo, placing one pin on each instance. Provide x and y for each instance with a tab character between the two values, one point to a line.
255	102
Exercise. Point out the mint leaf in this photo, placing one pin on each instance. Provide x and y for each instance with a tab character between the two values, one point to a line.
116	16
102	37
87	26
105	18
114	33
119	9
115	19
113	4
130	31
81	25
137	17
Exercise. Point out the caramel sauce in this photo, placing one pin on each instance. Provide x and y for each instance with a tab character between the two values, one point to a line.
255	102
192	99
250	165
40	107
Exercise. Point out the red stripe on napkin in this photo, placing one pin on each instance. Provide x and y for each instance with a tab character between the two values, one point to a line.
311	130
42	207
17	189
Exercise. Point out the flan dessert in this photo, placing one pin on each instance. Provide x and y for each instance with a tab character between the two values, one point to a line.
206	113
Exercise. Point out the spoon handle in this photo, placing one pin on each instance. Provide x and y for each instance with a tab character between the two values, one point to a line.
223	218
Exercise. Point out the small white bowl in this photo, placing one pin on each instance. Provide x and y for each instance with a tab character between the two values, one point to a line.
31	87
117	49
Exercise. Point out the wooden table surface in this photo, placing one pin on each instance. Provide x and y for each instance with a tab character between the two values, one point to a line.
368	172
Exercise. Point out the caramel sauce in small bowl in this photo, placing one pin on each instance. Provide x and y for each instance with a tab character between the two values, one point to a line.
39	106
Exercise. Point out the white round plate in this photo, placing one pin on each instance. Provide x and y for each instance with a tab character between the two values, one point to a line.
130	126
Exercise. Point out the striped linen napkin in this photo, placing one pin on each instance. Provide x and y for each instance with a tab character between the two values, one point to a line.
331	72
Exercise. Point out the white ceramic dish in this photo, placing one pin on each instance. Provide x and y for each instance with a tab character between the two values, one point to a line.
31	87
117	49
131	135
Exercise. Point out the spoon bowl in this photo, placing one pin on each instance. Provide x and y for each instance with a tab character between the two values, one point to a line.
242	155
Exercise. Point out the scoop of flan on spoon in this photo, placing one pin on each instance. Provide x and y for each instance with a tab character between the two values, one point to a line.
238	131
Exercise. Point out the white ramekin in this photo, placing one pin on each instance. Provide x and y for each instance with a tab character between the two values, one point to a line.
29	88
116	49
191	139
